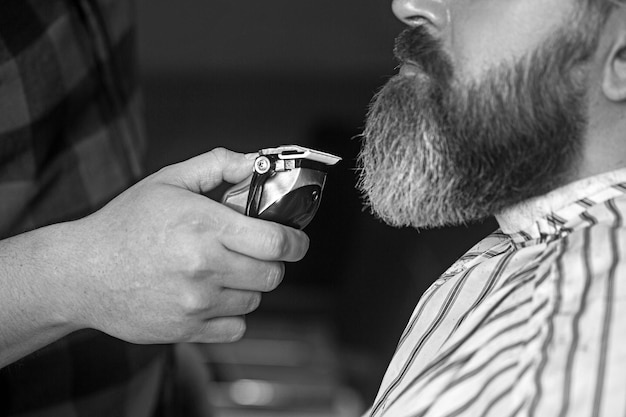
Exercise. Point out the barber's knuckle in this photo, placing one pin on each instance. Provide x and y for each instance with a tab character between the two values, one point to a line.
276	243
165	172
193	302
253	302
190	263
189	270
220	153
188	257
184	334
274	277
220	150
169	174
238	330
304	245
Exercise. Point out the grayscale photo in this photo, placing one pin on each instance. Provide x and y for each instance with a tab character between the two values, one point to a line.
401	208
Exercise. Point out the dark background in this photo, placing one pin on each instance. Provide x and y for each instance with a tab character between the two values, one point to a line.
252	74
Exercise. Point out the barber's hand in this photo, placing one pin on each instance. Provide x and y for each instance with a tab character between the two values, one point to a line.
162	263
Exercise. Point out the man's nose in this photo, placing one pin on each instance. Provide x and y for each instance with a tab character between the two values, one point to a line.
414	12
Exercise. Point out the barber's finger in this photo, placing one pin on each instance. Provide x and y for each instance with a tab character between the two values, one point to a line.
245	273
231	302
264	240
221	330
204	172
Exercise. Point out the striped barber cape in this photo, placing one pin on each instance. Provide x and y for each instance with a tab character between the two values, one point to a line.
530	322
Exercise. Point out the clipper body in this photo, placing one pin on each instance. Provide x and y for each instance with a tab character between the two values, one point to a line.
286	186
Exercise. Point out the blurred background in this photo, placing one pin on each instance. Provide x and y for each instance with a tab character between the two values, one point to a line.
248	75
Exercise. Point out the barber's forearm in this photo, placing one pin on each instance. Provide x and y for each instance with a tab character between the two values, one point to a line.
158	264
36	291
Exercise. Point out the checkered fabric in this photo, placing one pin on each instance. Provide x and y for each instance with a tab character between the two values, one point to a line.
70	139
70	133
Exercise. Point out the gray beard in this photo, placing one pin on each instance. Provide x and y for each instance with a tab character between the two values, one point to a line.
440	152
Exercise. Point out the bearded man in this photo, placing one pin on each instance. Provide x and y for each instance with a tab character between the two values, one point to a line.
515	109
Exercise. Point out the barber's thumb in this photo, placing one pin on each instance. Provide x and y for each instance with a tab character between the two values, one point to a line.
204	172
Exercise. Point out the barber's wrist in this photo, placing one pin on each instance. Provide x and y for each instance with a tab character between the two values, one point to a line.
58	276
37	303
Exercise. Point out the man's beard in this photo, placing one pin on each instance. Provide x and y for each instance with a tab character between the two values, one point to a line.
438	151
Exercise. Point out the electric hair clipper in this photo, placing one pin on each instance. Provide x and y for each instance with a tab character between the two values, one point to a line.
285	187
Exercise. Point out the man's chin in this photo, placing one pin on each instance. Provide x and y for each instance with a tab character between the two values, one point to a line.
428	211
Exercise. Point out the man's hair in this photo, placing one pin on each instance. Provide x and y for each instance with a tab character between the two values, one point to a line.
592	15
603	7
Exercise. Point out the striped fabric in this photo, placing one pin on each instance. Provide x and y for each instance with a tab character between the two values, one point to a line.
527	323
71	139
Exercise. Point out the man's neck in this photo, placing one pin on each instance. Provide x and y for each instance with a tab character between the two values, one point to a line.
524	214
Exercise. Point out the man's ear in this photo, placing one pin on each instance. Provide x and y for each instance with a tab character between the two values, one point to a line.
614	80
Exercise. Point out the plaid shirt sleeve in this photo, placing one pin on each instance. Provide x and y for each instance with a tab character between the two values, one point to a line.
70	133
70	139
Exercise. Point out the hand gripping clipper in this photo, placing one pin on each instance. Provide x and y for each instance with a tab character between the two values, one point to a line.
286	186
